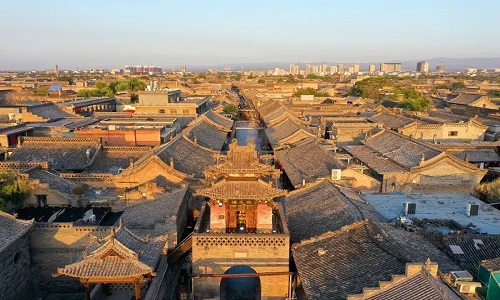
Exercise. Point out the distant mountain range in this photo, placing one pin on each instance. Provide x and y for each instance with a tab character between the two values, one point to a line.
451	64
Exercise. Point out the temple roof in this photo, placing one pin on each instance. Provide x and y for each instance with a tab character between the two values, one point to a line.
307	161
241	190
11	229
64	154
243	160
120	255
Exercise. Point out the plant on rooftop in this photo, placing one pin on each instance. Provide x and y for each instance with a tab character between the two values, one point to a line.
12	190
230	109
489	191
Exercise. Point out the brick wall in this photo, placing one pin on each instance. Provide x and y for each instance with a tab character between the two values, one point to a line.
17	277
216	253
54	246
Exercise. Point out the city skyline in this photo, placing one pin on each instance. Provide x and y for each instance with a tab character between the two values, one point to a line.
94	34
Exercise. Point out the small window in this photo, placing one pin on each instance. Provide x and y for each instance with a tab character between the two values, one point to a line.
42	200
173	111
161	111
452	133
185	111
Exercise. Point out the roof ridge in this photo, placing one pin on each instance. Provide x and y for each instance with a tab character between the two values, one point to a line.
330	234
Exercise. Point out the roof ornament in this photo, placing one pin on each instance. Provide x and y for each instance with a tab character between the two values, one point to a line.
112	236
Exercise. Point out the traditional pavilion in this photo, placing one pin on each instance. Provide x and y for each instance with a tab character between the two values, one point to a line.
241	243
240	198
120	258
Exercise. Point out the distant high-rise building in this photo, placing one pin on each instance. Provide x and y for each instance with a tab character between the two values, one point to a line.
340	68
355	68
440	69
309	69
371	68
294	69
390	67
422	67
183	69
57	71
322	68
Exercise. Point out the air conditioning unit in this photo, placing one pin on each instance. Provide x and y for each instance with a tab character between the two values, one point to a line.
472	209
410	208
468	287
336	174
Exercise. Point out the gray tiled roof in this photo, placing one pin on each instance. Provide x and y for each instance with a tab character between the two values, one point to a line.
343	262
54	181
49	111
307	161
111	159
319	208
64	154
219	119
374	160
389	151
282	130
274	115
390	120
418	248
12	229
401	149
188	157
207	135
465	99
150	251
268	108
417	287
479	155
473	252
147	214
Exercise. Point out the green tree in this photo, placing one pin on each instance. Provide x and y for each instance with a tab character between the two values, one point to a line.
12	190
457	85
370	87
41	91
310	91
412	99
230	109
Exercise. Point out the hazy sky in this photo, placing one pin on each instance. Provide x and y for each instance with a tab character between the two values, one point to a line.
104	33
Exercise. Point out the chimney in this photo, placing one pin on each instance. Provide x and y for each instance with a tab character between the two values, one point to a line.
466	158
172	162
422	158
